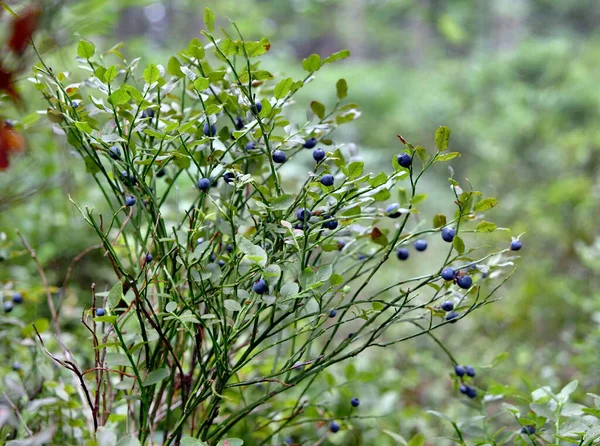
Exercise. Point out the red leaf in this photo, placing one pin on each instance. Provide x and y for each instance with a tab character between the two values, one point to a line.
10	142
7	85
23	28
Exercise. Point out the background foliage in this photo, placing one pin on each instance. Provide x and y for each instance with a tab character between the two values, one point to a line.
514	79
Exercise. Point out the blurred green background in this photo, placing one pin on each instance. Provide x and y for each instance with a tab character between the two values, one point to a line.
515	80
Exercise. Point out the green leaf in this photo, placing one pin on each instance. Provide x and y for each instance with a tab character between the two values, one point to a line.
380	179
318	109
447	156
417	440
418	198
107	319
129	440
83	126
283	88
397	437
232	305
312	63
174	67
213	109
110	74
439	220
231	442
229	47
422	154
324	273
355	169
379	237
255	49
307	277
190	441
485	226
458	244
442	137
106	437
341	88
266	109
289	290
151	74
209	20
155	376
337	56
133	92
282	202
119	97
254	253
377	306
485	204
90	165
195	49
85	49
115	295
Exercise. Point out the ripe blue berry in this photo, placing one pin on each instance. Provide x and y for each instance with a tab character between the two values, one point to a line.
327	180
260	286
452	316
149	258
470	371
448	274
310	143
447	306
448	234
114	152
209	130
515	245
221	262
17	298
250	146
319	155
333	313
161	173
471	392
256	107
303	214
334	427
100	312
392	210
459	370
76	103
213	257
463	388
330	224
404	160
229	177
8	306
529	429
355	402
464	282
279	156
239	124
204	184
130	201
16	366
200	240
402	254
149	113
229	247
420	245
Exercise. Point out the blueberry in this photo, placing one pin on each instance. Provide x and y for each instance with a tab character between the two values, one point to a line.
529	429
100	312
319	155
402	254
471	392
279	156
256	107
16	366
212	257
302	226
130	201
464	282
200	240
362	256
221	262
447	306
239	124
204	184
17	298
327	180
333	313
463	388
161	173
459	370
229	247
355	402
149	113
149	258
114	152
8	306
331	224
229	177
76	103
310	143
515	245
392	210
470	370
404	160
452	316
209	130
334	427
303	214
350	335
420	245
340	244
250	146
260	286
448	274
448	234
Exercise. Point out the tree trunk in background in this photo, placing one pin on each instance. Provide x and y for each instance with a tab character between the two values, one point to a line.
351	26
508	24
